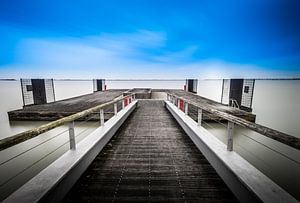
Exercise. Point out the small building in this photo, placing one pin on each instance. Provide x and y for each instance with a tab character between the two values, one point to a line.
99	85
238	93
191	85
37	91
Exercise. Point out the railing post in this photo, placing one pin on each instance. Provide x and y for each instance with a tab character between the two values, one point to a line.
199	117
123	103
101	117
116	108
186	108
230	136
72	136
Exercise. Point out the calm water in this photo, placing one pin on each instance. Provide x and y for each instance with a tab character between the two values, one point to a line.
275	102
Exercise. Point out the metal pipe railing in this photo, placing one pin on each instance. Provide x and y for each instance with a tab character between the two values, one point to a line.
289	140
21	137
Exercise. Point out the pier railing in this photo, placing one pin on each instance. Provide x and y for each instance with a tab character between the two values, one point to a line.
21	137
183	104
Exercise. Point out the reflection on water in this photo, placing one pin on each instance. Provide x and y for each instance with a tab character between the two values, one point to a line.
276	104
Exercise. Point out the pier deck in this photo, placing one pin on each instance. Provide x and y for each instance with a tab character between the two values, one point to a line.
212	104
150	158
59	109
55	110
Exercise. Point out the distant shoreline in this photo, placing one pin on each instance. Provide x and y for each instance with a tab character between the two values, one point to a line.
128	80
8	79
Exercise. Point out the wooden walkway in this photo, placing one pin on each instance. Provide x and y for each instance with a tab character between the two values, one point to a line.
150	159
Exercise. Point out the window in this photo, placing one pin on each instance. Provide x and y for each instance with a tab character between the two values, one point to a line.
29	87
246	89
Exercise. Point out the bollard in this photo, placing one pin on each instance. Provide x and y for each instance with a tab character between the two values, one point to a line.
72	136
186	108
115	108
199	117
230	129
101	117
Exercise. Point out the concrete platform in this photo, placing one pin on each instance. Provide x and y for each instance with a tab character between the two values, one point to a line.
150	158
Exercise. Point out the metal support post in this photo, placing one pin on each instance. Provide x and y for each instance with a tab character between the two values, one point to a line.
199	117
123	103
186	108
230	136
116	108
72	136
101	117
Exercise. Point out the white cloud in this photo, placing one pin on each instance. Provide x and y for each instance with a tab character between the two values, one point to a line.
119	56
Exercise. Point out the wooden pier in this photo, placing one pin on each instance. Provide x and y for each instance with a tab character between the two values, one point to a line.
202	101
151	150
56	110
150	158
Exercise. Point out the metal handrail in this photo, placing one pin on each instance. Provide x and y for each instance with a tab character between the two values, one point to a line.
234	103
289	140
21	137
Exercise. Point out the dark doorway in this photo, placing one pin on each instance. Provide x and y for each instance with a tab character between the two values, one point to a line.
99	85
38	90
236	90
190	85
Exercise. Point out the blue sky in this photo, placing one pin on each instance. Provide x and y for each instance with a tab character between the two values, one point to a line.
150	39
